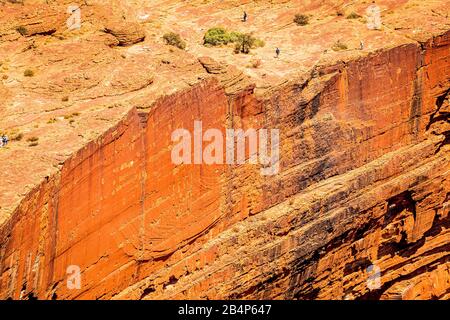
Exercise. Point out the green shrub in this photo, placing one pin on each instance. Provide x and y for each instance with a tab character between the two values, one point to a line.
17	137
247	41
28	73
220	36
301	19
174	39
353	15
243	42
22	30
259	43
33	139
70	116
256	63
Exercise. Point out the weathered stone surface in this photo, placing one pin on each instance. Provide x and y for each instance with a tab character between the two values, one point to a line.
364	182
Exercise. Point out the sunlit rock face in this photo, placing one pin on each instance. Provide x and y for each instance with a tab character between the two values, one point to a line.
92	205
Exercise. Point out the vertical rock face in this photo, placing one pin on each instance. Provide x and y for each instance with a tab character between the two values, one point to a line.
359	209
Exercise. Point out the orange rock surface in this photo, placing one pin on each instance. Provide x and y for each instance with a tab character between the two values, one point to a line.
87	179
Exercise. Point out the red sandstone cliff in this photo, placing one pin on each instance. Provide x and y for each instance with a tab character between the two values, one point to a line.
364	169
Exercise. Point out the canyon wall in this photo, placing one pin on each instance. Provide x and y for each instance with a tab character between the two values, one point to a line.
364	185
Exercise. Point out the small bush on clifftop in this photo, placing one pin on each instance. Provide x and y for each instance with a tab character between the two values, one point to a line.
256	63
17	137
353	15
245	42
174	39
338	46
33	141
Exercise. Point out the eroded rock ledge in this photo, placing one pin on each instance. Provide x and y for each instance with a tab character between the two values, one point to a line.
364	182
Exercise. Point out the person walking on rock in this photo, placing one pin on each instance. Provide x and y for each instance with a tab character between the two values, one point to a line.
5	140
277	52
245	17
